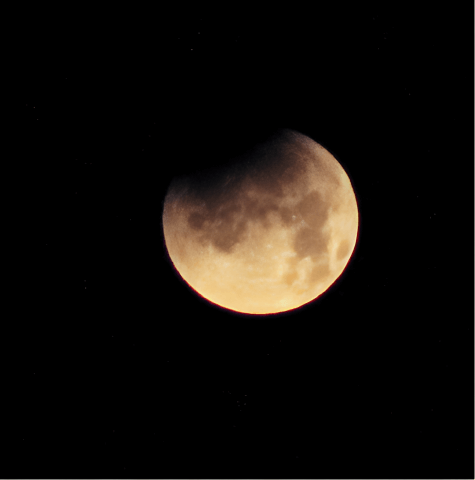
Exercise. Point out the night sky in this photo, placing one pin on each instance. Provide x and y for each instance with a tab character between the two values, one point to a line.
115	368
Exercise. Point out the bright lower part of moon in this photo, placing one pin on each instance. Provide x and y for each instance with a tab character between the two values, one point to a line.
268	234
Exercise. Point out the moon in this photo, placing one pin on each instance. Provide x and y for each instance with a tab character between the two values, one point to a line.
267	233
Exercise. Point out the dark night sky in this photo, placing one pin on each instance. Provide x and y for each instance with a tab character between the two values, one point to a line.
116	369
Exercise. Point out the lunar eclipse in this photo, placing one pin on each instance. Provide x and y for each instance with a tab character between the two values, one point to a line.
266	233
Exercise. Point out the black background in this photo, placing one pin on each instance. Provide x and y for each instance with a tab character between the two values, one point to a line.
115	368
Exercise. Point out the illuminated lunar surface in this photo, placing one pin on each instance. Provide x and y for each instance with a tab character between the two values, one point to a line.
266	234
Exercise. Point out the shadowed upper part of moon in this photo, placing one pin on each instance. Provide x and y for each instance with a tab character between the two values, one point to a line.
223	202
